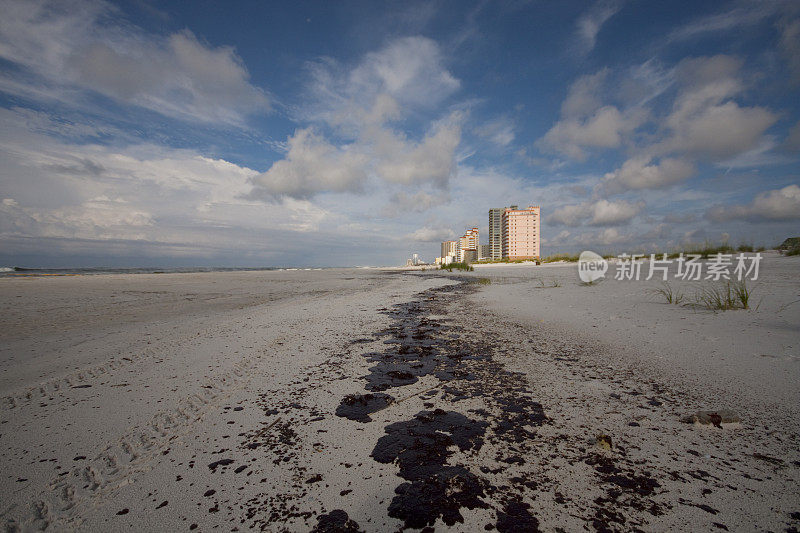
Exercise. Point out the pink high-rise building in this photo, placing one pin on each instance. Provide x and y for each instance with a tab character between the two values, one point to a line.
521	233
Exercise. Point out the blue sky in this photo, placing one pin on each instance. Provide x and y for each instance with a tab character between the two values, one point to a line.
357	133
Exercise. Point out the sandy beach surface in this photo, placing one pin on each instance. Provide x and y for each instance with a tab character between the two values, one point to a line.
511	398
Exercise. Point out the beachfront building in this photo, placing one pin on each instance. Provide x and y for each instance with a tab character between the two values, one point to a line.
521	233
484	251
414	261
467	244
496	232
449	252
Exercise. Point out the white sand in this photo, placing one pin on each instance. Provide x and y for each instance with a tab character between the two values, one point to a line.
752	356
118	392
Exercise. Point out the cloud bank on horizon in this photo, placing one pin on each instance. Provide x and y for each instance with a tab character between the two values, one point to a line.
356	133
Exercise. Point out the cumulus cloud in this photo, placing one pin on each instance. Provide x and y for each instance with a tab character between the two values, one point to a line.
583	96
643	173
606	237
774	205
143	193
569	215
312	165
606	128
430	161
361	104
419	202
586	123
598	213
409	69
705	122
406	73
73	44
606	213
429	234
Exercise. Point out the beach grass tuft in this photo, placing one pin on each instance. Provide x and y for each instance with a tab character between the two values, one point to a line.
670	295
724	297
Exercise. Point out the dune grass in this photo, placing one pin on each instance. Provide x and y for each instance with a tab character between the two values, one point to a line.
570	258
670	295
733	294
727	296
458	266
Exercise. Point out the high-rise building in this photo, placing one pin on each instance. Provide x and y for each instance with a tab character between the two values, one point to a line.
449	249
484	251
496	231
521	234
468	243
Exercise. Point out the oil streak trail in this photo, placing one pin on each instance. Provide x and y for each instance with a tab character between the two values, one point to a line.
423	447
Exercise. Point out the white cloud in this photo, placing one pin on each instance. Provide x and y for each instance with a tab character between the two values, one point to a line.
642	173
410	69
746	14
705	122
606	213
774	205
597	213
360	104
720	131
428	234
569	215
74	44
499	131
583	97
312	165
590	23
606	128
606	237
430	161
790	46
96	218
586	123
762	155
403	203
408	73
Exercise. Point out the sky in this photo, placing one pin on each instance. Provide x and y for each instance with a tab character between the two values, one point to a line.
348	133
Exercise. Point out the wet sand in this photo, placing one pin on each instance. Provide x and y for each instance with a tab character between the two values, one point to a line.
355	400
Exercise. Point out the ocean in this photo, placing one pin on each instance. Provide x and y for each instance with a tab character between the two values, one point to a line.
21	271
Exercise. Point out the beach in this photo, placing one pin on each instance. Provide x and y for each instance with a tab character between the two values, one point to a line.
511	398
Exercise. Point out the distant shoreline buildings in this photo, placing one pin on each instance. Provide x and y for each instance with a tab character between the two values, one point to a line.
514	235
